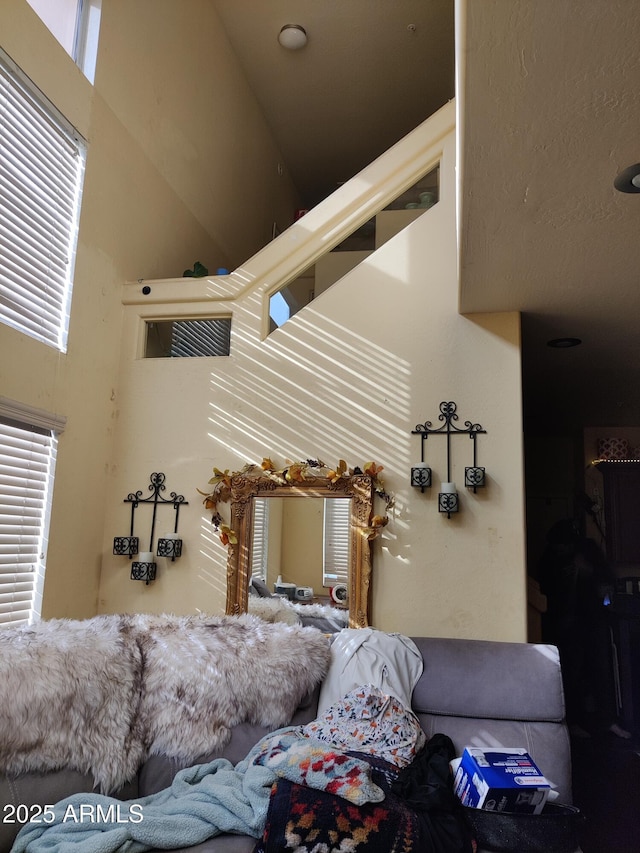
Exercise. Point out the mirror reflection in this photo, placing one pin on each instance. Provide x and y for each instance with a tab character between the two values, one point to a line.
300	547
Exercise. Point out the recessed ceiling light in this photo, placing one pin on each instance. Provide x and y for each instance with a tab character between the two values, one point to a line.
628	181
564	343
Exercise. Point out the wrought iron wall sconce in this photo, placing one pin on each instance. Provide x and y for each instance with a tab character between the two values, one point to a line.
170	545
421	474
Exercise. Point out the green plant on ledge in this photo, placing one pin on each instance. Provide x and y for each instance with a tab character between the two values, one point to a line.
198	271
295	473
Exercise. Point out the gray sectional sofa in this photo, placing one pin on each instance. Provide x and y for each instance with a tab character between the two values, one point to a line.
477	692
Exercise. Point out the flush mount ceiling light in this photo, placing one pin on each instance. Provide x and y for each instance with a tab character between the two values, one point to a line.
292	36
564	343
628	181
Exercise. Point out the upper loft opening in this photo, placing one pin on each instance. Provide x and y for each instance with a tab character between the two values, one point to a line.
334	264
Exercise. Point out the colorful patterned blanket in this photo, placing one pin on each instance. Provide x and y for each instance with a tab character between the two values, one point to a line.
305	820
419	812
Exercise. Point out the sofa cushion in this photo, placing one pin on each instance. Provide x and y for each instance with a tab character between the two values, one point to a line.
221	844
518	681
25	795
158	771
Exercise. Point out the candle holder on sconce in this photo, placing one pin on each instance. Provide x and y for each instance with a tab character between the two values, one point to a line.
421	474
169	545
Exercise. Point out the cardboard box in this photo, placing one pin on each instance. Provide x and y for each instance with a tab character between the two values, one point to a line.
505	779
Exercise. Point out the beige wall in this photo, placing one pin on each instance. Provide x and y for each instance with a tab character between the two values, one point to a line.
349	377
295	541
170	179
302	542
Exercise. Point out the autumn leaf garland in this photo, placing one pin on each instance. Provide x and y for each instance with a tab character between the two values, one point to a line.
295	473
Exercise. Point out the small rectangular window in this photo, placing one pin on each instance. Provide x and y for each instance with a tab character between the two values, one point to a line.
188	338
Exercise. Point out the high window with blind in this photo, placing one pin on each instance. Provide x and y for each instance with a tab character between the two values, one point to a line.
27	462
41	171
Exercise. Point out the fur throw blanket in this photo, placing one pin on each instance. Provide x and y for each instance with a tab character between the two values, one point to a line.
322	616
101	695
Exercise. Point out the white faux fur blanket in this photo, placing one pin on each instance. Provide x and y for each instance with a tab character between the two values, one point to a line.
291	612
101	695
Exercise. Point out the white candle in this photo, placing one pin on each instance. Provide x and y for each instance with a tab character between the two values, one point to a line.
170	536
448	488
420	465
145	557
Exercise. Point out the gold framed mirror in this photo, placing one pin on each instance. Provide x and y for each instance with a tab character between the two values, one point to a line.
246	488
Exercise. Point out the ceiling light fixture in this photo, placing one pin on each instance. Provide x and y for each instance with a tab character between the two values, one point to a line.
292	36
628	181
564	343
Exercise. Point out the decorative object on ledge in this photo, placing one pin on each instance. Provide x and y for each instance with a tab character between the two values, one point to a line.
199	271
170	545
421	475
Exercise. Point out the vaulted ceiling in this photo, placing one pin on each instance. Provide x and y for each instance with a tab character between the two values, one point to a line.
549	94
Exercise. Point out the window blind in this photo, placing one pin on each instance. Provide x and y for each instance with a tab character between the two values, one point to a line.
260	538
41	169
337	519
191	338
27	461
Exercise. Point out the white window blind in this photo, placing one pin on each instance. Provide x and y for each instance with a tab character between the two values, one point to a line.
337	518
191	338
41	169
27	461
260	538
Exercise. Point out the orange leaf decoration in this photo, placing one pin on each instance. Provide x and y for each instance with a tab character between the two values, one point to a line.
372	469
227	536
295	472
339	471
220	477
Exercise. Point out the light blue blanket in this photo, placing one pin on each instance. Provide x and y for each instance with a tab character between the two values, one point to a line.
203	801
